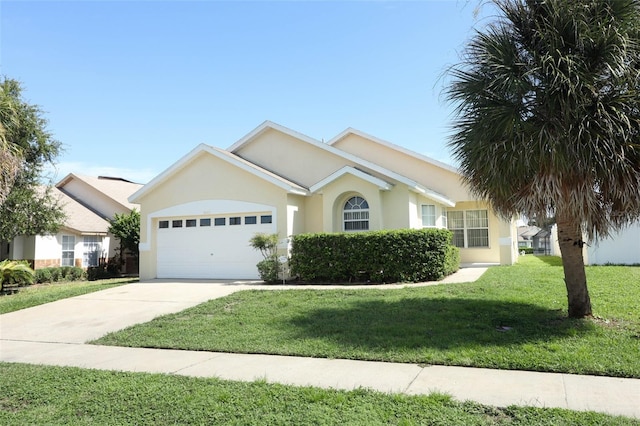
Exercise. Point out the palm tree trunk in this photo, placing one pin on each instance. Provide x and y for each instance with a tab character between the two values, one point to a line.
570	241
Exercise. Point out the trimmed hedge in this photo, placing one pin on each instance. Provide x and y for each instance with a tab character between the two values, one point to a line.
59	273
405	255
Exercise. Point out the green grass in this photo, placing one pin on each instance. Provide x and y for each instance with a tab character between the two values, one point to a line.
512	318
66	396
39	294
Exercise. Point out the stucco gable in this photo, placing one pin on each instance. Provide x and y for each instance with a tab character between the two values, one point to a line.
223	155
435	175
310	161
341	141
381	184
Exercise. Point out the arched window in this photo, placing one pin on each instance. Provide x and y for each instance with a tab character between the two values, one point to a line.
356	214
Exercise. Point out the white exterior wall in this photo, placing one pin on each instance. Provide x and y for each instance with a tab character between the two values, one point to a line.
50	246
622	247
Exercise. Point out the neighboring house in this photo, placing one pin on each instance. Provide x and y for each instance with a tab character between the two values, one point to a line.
535	238
198	215
620	248
88	203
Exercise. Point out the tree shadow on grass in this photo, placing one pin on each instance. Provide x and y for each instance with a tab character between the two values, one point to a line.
441	323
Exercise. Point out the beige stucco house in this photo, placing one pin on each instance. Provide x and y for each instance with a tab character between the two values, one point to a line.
88	202
198	215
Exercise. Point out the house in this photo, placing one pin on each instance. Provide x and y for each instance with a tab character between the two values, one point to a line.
198	215
534	238
88	202
620	248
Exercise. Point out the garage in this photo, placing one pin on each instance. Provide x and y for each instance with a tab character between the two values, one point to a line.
210	247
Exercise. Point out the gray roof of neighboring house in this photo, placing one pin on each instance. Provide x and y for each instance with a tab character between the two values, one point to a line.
528	232
80	218
117	189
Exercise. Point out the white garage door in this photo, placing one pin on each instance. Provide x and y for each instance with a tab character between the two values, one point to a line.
210	247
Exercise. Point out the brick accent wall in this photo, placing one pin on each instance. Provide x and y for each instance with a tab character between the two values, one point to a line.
44	263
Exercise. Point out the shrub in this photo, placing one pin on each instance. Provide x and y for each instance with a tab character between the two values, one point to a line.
268	270
267	244
406	255
75	273
43	275
452	260
103	272
58	273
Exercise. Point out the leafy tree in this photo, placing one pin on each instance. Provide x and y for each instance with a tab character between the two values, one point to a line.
26	207
548	120
126	228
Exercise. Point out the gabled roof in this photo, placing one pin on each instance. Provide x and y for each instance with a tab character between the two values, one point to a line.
117	189
352	131
413	185
270	125
80	218
385	186
229	157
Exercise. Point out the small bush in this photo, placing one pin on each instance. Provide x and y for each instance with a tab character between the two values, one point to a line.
56	274
75	274
102	272
43	275
268	270
526	250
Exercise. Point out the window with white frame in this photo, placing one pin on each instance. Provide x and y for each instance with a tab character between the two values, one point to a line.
92	249
356	214
470	228
428	215
68	250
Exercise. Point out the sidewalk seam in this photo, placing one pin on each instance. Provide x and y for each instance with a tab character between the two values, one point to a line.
406	389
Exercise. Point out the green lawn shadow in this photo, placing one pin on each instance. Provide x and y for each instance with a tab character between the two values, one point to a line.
439	323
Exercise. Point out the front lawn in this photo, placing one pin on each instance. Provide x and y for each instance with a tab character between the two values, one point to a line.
39	294
514	317
39	395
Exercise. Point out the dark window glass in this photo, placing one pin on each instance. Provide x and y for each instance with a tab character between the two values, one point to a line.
266	219
220	221
205	222
191	223
163	224
176	223
236	220
250	220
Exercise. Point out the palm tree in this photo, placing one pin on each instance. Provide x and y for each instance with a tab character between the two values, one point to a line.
548	120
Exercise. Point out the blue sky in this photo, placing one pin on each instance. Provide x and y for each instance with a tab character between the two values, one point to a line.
130	87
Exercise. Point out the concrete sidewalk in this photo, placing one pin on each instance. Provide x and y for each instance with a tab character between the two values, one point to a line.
55	333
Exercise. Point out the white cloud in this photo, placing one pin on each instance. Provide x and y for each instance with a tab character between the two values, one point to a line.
135	175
